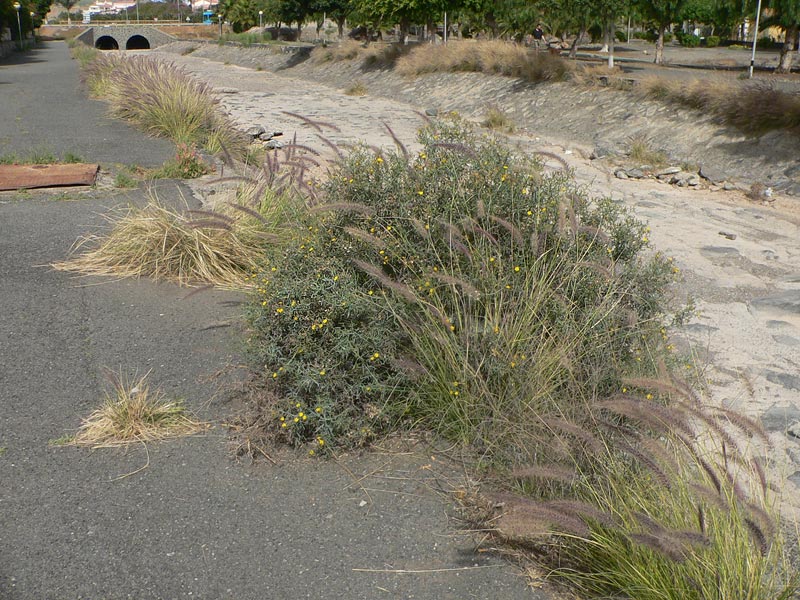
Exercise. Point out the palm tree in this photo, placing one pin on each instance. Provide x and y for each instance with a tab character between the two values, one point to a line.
69	5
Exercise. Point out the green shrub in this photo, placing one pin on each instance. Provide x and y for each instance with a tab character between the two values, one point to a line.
712	41
460	289
689	40
621	36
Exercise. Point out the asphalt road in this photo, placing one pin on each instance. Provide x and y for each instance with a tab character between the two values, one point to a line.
179	519
43	107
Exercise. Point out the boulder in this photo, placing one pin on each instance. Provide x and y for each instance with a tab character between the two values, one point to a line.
713	175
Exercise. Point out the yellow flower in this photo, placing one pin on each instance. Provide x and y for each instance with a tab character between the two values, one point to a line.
305	418
516	269
283	425
279	310
311	453
322	372
318	410
283	419
320	441
297	405
420	193
301	414
274	375
296	420
370	292
379	160
649	396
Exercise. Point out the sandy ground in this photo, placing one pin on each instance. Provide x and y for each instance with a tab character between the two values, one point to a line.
740	259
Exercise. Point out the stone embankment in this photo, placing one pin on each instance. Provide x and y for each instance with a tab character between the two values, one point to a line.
739	257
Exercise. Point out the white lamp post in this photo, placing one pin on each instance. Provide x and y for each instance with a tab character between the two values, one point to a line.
33	27
260	18
755	39
17	7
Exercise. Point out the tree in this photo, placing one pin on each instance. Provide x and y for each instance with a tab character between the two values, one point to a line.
68	5
338	10
786	15
662	13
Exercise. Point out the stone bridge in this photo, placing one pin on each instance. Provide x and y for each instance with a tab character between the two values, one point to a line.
124	37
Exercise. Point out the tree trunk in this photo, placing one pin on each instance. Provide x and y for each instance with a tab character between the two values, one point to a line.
340	26
573	49
659	60
610	31
405	28
787	50
491	23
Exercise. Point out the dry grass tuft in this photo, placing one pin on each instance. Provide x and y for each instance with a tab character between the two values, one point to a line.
492	57
498	120
357	89
165	245
346	50
132	413
754	108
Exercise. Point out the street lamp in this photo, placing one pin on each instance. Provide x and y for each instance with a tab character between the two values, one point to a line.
260	18
755	40
33	27
219	18
17	7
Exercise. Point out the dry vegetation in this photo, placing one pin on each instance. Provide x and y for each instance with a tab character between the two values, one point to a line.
194	248
132	413
754	108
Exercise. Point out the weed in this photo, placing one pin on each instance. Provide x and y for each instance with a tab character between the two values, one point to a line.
357	89
498	120
63	440
187	164
132	413
70	157
124	180
643	153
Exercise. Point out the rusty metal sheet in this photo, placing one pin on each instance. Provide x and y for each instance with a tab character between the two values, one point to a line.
16	177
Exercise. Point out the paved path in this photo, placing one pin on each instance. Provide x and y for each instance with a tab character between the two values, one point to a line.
194	523
43	106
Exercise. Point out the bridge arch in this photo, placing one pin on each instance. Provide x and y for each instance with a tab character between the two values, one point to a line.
106	42
137	42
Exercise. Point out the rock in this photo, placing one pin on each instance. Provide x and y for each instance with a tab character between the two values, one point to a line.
719	251
729	187
227	90
790	382
620	174
714	188
432	112
255	132
788	301
265	136
795	478
794	429
693	180
601	151
778	418
730	236
634	173
712	174
793	171
273	144
682	182
668	171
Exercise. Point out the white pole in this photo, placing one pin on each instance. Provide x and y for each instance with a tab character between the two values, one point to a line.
445	27
755	39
